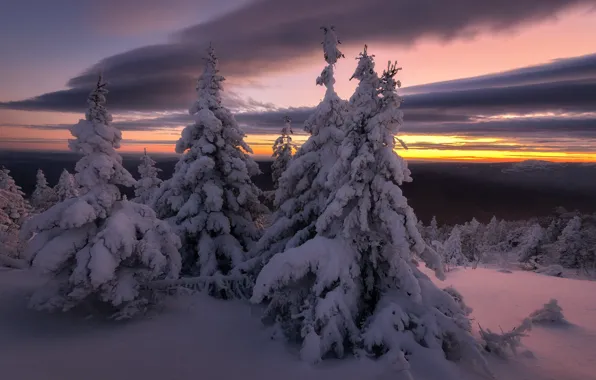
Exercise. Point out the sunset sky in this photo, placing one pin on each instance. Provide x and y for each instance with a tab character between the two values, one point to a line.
482	80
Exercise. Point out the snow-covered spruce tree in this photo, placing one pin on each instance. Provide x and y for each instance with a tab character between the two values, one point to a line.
43	196
452	251
66	187
17	208
96	247
569	243
302	193
9	224
211	198
471	234
433	232
283	149
492	233
149	182
527	249
354	285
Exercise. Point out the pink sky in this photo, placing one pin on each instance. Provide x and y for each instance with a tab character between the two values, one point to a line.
570	34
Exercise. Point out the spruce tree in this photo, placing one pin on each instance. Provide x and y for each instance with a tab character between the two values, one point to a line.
433	230
66	187
452	250
492	234
43	196
15	206
97	247
569	244
302	191
283	149
354	284
149	181
211	199
14	211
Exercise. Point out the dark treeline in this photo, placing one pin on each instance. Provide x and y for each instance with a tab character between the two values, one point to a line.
453	192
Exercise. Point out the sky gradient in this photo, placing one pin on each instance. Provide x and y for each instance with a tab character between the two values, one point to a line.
491	81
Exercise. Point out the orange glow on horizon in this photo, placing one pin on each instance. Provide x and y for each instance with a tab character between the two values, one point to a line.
261	146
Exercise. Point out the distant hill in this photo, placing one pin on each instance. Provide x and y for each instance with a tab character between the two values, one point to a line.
454	192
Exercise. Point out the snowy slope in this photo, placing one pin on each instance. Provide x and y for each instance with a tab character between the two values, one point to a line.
504	299
198	337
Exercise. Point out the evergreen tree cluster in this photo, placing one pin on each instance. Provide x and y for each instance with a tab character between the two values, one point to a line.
565	238
336	265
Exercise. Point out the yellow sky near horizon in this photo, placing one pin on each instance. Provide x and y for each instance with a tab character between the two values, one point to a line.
163	142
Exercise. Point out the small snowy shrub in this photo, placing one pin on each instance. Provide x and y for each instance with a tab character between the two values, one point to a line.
551	312
502	344
552	270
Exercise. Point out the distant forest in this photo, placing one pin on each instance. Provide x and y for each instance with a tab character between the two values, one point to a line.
453	192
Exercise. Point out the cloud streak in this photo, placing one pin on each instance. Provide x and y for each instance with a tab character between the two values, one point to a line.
275	33
269	34
581	68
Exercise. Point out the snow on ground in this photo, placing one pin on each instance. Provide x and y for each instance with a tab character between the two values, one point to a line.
504	299
198	336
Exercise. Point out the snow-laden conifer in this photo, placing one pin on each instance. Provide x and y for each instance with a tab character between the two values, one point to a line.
211	198
433	232
9	223
66	187
529	243
95	246
43	196
354	284
148	181
492	233
302	192
506	342
569	243
550	312
452	251
15	207
283	149
14	210
471	234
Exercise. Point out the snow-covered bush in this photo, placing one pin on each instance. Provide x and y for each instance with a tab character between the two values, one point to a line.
501	344
551	312
96	247
211	199
66	187
554	270
283	149
302	192
354	284
149	182
459	298
43	196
